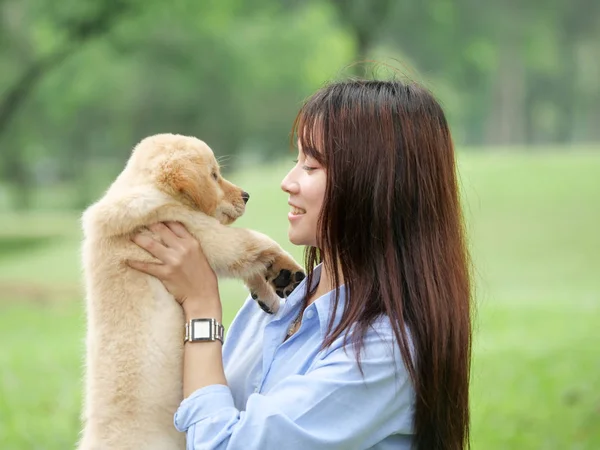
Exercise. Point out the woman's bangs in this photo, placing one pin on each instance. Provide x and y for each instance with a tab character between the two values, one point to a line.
308	131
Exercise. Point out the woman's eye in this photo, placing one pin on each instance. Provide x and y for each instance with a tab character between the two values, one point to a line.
308	168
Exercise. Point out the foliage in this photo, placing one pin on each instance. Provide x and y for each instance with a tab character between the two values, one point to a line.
82	82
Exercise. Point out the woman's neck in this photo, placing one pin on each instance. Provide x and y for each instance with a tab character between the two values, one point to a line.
325	284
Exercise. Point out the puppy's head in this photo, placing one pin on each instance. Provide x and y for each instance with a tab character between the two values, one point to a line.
186	169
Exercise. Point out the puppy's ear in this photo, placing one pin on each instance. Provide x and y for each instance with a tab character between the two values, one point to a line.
183	177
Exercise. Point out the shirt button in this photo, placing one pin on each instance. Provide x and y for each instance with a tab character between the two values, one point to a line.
310	314
256	389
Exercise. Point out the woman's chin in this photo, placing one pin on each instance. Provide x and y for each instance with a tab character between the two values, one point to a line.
294	240
298	239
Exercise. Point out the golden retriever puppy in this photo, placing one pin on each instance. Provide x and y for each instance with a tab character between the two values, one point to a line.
134	326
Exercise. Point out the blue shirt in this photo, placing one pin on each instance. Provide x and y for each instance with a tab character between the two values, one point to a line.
291	395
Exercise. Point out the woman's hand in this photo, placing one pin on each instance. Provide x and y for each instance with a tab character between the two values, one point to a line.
184	270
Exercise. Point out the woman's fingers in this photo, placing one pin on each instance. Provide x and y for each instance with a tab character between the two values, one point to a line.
179	247
155	248
189	242
165	233
178	229
155	269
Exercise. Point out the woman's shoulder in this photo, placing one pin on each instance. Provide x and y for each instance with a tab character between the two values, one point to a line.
377	358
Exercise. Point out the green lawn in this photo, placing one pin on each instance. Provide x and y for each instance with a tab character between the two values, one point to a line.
533	221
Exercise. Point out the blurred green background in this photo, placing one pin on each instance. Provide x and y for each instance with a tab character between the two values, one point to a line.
83	81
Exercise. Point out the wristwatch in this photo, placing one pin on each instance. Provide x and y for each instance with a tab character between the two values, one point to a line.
203	330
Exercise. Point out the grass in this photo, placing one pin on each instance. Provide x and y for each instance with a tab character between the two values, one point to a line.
533	223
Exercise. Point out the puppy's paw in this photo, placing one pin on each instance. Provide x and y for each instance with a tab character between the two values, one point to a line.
284	275
262	294
264	305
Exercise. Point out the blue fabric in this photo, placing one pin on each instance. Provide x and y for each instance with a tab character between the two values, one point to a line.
290	395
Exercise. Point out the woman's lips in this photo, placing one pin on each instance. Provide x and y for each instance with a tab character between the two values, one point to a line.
296	212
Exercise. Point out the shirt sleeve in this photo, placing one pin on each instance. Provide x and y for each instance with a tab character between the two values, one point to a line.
330	407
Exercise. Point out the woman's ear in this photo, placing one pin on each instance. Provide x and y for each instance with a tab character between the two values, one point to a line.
185	178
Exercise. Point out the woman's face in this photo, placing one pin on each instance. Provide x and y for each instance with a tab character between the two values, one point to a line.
305	184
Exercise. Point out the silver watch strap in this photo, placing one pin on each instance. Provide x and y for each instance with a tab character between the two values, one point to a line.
203	330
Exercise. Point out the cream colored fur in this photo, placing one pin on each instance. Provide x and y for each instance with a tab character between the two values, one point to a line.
134	326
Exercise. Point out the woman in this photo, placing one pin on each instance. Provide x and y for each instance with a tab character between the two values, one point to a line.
373	349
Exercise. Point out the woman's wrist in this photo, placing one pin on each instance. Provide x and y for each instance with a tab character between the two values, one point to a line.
203	307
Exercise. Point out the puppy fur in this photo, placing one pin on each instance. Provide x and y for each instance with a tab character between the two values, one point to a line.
134	342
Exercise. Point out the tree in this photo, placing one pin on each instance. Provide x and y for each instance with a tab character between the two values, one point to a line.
78	31
94	20
365	20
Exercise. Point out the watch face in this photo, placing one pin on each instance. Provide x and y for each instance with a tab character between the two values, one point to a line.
201	329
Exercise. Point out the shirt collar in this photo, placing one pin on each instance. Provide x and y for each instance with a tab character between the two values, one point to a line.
324	306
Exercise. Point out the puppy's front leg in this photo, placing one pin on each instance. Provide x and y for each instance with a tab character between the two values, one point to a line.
253	257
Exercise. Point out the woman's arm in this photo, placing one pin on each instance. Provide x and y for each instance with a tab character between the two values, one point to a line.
202	361
330	407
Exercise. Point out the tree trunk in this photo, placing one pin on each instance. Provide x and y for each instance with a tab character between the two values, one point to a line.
565	94
505	124
21	185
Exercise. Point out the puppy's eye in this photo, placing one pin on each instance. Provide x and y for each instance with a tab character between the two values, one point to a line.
215	176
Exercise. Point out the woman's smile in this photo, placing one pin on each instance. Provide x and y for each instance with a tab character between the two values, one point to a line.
295	212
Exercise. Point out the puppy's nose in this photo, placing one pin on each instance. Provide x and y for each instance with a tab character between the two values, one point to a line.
245	196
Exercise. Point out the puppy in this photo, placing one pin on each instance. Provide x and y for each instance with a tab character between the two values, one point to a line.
135	328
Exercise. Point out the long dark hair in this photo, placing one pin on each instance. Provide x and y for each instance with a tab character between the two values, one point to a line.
391	228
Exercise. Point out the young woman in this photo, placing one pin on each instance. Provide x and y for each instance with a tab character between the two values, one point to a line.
373	349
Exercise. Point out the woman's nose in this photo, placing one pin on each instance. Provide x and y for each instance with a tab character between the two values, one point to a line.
288	185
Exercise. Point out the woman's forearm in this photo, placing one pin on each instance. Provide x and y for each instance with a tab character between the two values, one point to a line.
203	361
